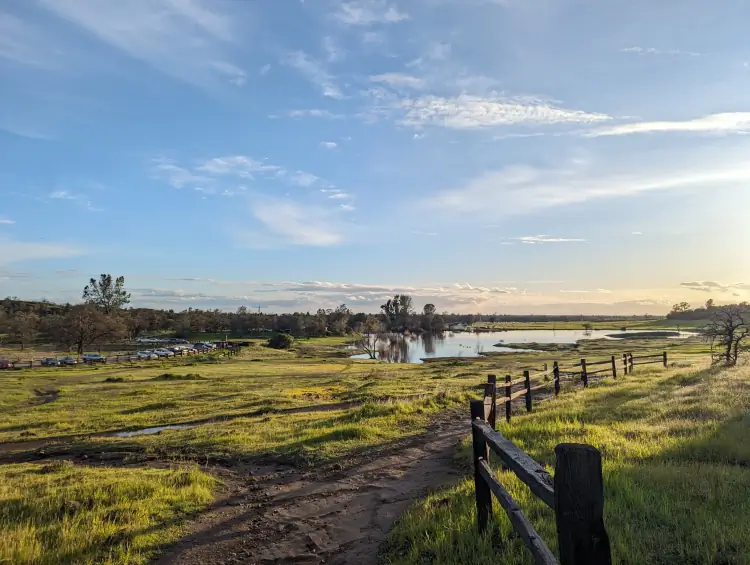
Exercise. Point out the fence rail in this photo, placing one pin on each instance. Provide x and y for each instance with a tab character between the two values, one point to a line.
575	493
582	369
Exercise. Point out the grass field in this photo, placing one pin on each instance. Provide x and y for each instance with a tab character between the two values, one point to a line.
676	457
308	407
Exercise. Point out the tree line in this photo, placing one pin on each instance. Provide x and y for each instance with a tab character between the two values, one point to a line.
104	316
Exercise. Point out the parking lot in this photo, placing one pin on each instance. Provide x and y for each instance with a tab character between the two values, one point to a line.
146	354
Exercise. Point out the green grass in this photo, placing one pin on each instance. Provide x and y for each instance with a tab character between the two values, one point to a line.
63	514
242	409
676	456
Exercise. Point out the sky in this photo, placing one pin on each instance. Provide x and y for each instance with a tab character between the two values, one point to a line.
494	156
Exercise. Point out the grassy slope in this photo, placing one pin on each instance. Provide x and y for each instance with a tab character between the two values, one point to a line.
62	514
100	399
676	474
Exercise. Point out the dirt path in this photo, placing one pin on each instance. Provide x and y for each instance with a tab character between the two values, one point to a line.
285	516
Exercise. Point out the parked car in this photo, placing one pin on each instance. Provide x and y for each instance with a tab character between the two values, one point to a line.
91	358
202	347
146	355
50	362
67	360
5	364
164	352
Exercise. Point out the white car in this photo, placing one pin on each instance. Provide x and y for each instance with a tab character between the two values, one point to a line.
164	352
146	355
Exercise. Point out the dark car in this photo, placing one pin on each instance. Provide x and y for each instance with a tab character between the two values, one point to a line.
5	364
67	360
93	358
50	362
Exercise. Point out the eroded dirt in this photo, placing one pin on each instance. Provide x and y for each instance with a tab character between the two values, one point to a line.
279	515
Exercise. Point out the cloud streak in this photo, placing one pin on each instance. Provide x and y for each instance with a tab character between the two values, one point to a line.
368	12
724	123
472	112
184	39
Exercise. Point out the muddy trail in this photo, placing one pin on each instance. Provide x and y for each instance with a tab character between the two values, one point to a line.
275	514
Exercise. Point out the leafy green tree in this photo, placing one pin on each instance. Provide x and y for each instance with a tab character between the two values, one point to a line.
105	294
281	341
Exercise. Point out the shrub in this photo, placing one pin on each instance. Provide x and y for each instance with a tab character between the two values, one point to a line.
281	341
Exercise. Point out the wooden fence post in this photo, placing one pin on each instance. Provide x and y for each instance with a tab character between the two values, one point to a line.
666	362
614	367
556	374
584	373
631	362
527	379
481	452
625	362
508	390
491	388
579	506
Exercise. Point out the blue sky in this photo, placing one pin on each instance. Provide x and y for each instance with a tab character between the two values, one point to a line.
484	155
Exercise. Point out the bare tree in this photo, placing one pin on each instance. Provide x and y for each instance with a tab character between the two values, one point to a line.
23	328
107	295
729	327
373	332
84	326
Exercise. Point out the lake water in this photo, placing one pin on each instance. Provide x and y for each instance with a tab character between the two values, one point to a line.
414	348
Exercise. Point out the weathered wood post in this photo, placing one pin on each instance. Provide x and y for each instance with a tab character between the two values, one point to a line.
625	362
579	506
490	396
556	375
584	373
666	362
631	362
527	381
508	390
481	452
614	367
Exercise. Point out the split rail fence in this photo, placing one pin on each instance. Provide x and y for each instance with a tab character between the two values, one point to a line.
575	493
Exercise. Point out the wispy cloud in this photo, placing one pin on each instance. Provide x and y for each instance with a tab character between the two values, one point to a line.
541	239
725	123
182	38
653	51
425	233
532	188
469	112
368	12
314	113
82	199
17	251
347	207
315	71
24	43
329	144
176	175
6	221
299	225
399	79
208	175
713	286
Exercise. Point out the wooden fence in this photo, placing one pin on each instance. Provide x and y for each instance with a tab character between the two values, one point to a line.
575	494
533	381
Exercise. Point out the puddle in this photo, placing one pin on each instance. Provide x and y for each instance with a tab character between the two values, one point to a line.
150	431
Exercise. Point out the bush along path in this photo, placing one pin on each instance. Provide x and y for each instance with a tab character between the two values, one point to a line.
336	515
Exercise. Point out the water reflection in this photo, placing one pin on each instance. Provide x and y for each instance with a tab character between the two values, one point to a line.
396	348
